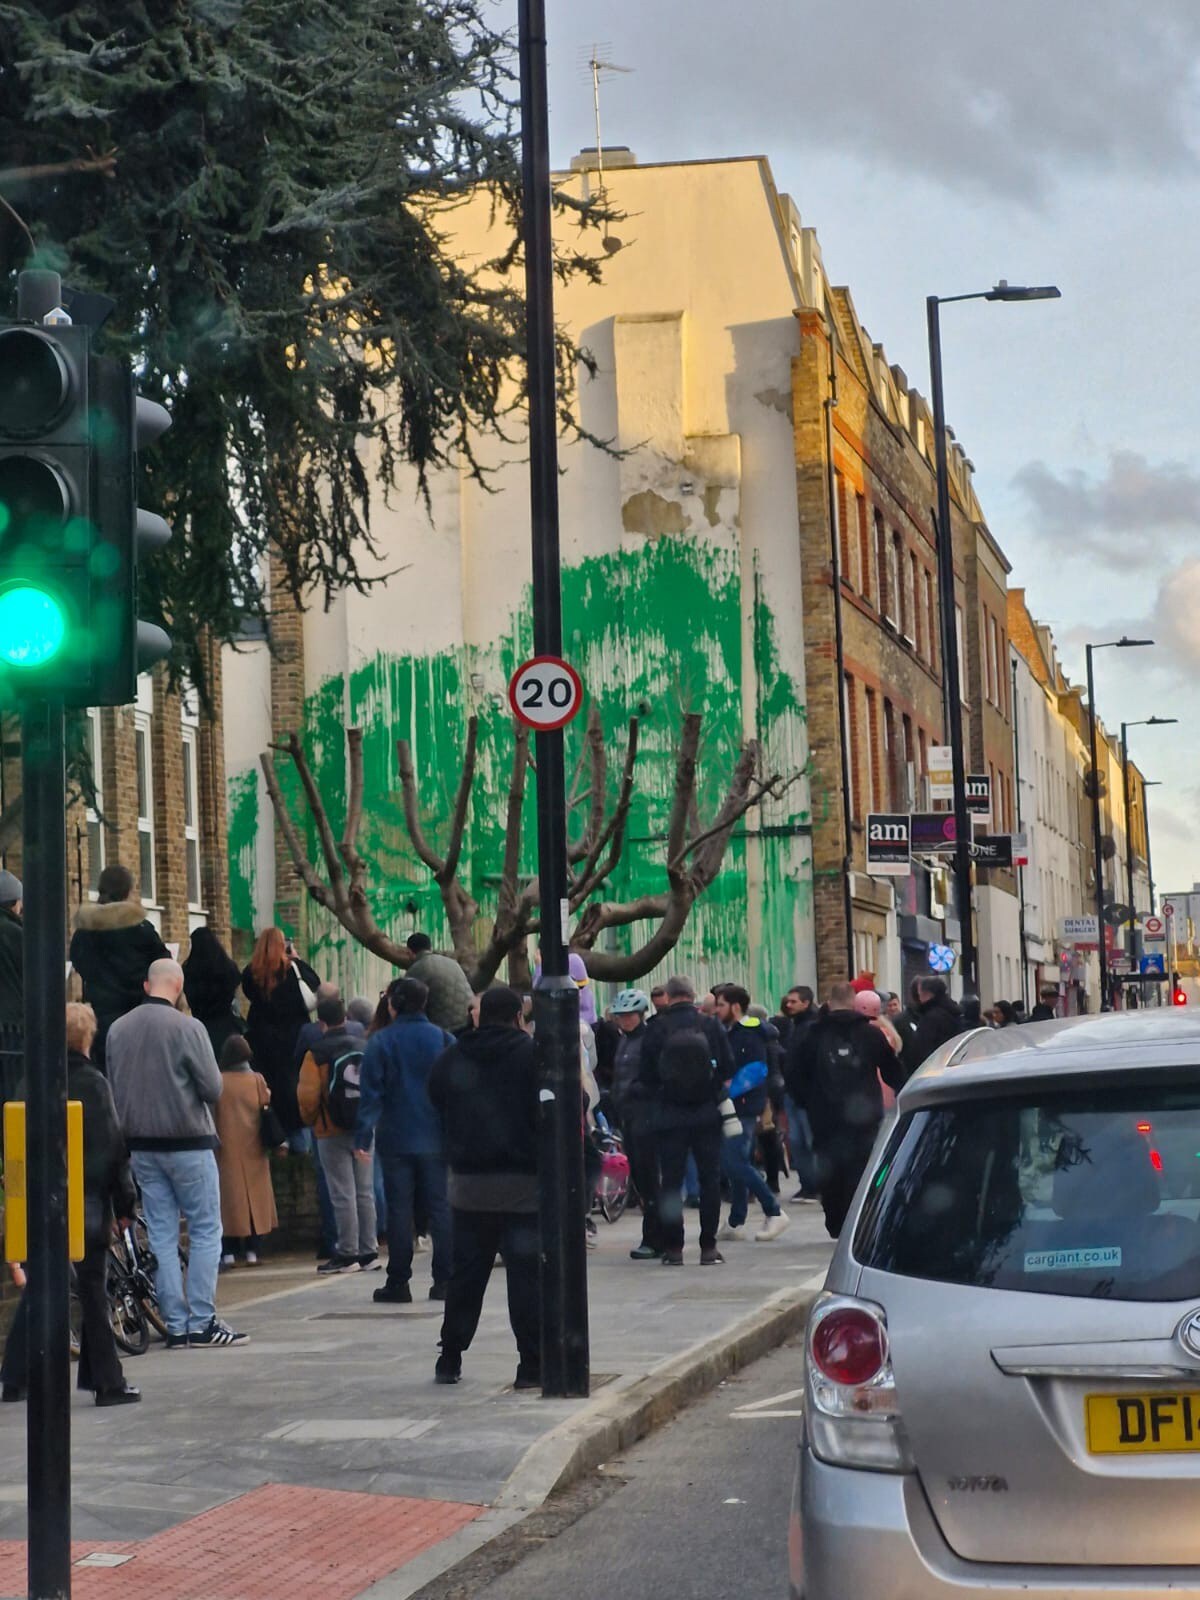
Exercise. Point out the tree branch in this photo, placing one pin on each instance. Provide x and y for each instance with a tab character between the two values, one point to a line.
106	165
458	820
308	873
592	875
412	813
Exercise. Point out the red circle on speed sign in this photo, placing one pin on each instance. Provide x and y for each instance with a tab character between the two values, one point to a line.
545	692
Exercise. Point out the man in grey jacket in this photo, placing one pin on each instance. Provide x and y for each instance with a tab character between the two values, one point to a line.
164	1080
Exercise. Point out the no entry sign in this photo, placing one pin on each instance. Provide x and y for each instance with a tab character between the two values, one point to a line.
545	692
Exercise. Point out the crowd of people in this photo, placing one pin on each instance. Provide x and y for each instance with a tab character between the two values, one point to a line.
421	1112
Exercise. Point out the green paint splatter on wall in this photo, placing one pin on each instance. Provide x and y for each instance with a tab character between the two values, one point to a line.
656	631
242	802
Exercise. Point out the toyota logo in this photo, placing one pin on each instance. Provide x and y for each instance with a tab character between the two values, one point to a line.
1188	1334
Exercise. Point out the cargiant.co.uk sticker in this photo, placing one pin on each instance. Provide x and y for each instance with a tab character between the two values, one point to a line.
1102	1255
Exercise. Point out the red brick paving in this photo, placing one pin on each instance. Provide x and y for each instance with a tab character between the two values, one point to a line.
275	1541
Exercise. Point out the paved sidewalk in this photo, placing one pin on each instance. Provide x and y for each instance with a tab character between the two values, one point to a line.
265	1466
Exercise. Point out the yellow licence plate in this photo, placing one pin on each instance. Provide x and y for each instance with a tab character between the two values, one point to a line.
1120	1424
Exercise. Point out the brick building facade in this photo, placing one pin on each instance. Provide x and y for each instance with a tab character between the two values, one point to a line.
160	804
892	687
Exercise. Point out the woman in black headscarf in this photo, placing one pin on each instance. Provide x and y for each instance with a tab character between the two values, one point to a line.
210	981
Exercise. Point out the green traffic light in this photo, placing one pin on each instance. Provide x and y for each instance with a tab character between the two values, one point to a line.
32	626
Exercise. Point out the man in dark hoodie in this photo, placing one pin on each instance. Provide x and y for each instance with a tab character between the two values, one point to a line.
12	962
834	1070
752	1043
686	1063
112	949
938	1019
485	1092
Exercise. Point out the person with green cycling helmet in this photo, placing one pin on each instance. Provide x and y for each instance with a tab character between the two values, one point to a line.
630	1010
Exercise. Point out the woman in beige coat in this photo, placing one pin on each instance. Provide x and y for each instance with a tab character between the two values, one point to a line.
247	1197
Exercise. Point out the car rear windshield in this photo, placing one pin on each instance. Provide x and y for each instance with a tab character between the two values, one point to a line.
1085	1193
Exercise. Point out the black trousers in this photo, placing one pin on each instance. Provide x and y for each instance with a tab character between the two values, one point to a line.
99	1364
840	1159
674	1146
642	1149
478	1235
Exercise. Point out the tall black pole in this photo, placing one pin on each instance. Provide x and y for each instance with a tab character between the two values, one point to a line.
44	869
1097	844
946	602
839	651
1020	829
556	999
1128	841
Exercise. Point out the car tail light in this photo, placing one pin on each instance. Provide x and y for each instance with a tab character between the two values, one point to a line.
852	1414
849	1345
1143	1127
1156	1161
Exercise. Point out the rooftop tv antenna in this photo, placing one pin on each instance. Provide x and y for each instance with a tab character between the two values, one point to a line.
599	65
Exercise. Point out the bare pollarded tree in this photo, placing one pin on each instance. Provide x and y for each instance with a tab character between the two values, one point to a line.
694	850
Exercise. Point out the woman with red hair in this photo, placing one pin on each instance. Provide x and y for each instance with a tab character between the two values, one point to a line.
282	991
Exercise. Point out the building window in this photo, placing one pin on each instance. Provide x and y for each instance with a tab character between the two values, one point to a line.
909	775
964	688
95	830
899	566
891	757
843	528
887	588
875	799
852	768
867	587
191	815
920	627
993	628
145	806
932	614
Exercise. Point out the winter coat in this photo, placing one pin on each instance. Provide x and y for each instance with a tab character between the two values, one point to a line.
108	1187
450	995
836	1070
1042	1013
938	1020
12	971
247	1197
484	1089
683	1017
751	1040
394	1106
164	1079
626	1067
273	1023
112	949
209	991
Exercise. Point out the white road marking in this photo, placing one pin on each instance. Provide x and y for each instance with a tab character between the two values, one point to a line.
774	1405
758	1416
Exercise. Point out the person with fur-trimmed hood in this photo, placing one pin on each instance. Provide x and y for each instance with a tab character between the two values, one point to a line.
112	949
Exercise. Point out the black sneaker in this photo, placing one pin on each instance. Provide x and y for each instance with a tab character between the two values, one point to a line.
672	1258
177	1341
126	1395
217	1336
527	1378
711	1257
393	1294
447	1370
370	1262
437	1291
11	1393
338	1264
645	1252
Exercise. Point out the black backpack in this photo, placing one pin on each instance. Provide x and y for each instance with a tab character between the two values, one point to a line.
686	1068
847	1082
345	1086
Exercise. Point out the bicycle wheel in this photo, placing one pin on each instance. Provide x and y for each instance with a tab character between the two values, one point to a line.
613	1200
129	1325
148	1300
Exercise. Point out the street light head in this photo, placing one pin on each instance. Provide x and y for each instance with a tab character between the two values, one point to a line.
1016	291
1160	722
1132	644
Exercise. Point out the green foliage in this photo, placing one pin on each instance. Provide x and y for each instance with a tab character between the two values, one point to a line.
273	236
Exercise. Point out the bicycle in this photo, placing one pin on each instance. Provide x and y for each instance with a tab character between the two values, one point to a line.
132	1268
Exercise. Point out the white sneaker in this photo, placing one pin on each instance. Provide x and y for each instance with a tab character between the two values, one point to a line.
227	1260
251	1258
772	1228
422	1246
728	1234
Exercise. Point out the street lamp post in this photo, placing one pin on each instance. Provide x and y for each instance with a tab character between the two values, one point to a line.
1097	843
1146	722
564	1314
946	604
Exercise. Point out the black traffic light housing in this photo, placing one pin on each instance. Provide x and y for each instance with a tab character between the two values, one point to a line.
71	533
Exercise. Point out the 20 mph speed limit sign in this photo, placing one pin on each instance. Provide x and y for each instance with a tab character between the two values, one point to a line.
545	693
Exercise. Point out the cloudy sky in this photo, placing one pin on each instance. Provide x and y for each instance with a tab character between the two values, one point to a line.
937	146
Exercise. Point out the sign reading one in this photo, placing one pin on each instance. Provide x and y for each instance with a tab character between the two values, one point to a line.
545	693
992	849
888	845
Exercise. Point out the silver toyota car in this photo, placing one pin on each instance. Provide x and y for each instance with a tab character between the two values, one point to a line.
1003	1372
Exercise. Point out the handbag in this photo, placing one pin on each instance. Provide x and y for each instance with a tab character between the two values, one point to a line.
306	994
270	1129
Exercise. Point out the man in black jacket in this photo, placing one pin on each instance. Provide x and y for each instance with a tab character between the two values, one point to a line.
12	963
686	1063
938	1019
834	1070
485	1091
1047	1007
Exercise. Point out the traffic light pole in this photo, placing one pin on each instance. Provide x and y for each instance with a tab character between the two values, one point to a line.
556	1000
44	870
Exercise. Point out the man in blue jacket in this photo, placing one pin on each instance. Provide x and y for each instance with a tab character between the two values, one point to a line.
396	1114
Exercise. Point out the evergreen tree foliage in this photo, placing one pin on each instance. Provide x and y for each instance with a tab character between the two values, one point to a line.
273	234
